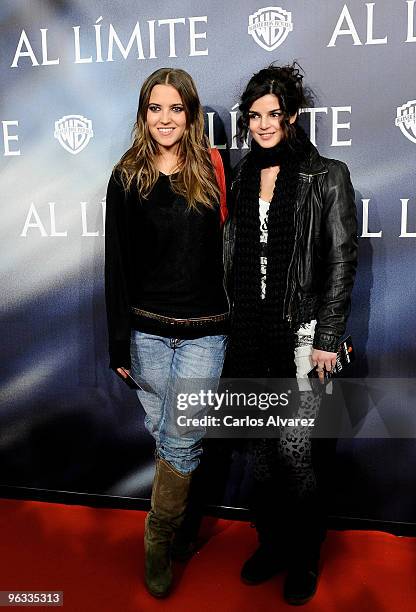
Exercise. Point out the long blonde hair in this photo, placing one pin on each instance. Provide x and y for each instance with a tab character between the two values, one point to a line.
196	178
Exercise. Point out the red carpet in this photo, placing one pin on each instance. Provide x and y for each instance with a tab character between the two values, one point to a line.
95	556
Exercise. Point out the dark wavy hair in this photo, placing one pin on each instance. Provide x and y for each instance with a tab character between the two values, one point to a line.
286	83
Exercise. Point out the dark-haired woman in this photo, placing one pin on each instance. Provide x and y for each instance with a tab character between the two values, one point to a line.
166	303
292	240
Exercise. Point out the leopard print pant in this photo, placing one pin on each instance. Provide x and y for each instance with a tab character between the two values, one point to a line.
289	455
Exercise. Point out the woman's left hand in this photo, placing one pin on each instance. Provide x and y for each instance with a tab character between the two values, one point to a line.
324	361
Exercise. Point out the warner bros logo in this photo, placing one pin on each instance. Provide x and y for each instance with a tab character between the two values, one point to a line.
73	132
406	120
270	26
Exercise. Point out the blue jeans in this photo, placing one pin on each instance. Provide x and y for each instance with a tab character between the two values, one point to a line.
170	366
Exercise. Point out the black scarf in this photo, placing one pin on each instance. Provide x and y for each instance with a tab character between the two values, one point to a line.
261	342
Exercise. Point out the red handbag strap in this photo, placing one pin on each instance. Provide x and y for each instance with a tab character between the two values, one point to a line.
220	176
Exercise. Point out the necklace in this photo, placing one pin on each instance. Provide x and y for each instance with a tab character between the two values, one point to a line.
166	165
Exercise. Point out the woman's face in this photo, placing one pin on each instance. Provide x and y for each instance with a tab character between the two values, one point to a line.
265	119
166	117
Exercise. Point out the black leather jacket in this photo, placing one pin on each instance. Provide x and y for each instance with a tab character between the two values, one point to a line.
324	260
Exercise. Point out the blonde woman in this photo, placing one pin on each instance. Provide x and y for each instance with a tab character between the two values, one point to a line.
166	304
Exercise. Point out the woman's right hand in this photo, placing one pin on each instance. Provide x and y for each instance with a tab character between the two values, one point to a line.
123	372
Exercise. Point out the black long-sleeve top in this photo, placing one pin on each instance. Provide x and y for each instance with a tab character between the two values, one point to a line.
162	257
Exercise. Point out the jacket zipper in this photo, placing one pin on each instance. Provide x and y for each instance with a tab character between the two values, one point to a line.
287	304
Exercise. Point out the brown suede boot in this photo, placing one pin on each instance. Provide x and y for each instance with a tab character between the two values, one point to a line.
169	500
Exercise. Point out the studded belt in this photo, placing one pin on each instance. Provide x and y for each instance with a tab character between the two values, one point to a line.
191	323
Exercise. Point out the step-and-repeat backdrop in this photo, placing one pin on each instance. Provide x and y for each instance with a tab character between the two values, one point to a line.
70	76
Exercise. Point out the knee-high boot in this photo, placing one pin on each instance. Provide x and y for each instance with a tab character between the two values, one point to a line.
169	500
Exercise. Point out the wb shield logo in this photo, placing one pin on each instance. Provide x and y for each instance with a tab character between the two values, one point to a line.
73	132
270	26
406	120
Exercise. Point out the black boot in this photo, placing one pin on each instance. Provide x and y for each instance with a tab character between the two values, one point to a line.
301	582
269	558
308	533
263	564
302	579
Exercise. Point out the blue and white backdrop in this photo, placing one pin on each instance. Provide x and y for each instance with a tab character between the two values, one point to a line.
66	421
